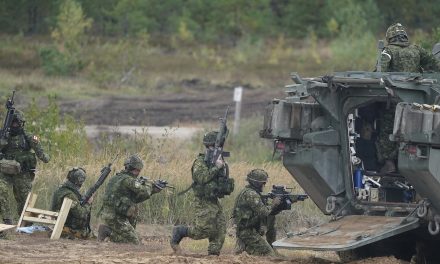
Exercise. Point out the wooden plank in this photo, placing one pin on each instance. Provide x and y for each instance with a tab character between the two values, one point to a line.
39	220
40	211
4	227
28	200
64	212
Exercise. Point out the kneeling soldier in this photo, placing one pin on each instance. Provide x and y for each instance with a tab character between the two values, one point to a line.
252	216
78	221
122	195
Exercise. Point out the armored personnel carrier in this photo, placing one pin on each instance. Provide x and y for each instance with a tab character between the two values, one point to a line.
328	127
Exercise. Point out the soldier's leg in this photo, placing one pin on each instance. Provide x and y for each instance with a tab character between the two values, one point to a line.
5	198
122	231
205	219
271	234
217	239
254	243
22	187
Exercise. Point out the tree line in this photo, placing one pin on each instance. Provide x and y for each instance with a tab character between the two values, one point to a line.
223	21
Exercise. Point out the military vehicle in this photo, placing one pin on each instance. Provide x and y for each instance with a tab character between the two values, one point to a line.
327	128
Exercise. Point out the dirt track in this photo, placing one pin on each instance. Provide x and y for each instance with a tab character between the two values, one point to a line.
154	249
191	105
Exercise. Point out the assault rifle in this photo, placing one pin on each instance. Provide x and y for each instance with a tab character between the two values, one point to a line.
159	184
105	171
287	198
220	140
4	132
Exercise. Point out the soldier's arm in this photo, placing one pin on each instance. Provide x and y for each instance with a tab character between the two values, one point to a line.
34	141
385	59
77	210
203	173
141	191
427	60
253	200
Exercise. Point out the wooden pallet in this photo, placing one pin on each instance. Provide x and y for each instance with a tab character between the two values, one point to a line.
35	215
4	227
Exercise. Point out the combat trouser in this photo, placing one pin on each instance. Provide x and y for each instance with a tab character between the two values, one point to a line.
21	185
210	222
254	243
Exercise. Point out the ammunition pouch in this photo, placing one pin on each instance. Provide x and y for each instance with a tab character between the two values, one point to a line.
225	186
125	207
10	166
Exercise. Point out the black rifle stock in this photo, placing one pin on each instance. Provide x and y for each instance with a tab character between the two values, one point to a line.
160	184
221	138
105	171
4	132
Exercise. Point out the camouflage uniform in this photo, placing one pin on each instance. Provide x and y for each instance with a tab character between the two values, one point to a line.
78	221
120	208
252	216
21	147
399	56
210	221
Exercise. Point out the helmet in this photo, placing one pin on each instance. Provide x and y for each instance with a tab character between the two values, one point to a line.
209	138
77	176
395	30
257	175
133	162
19	117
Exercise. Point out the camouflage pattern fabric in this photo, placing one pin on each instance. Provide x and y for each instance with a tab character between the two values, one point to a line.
22	148
205	178
120	210
78	220
252	216
405	57
387	149
210	222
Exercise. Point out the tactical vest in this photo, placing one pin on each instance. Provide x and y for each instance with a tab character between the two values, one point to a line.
72	221
404	59
19	149
115	199
242	214
218	187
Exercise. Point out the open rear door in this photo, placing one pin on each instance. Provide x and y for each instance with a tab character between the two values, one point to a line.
347	233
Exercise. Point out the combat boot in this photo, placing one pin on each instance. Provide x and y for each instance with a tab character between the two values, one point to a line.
179	232
103	233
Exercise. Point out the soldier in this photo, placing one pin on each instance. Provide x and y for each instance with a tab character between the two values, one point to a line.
78	221
210	182
17	167
122	195
253	216
398	56
401	56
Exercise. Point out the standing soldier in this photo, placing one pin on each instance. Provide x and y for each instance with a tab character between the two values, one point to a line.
17	166
78	221
122	195
210	182
253	216
398	56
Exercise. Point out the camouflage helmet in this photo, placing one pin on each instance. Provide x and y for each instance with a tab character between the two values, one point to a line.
395	30
257	175
19	116
133	162
209	138
77	176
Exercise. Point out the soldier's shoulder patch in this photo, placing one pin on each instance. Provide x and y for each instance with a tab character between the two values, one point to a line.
35	139
137	184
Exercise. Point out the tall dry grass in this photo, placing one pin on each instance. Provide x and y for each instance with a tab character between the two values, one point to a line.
168	159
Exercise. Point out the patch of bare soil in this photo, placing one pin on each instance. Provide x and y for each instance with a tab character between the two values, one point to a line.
193	104
155	248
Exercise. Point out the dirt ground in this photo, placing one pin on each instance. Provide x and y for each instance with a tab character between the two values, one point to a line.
196	101
37	248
